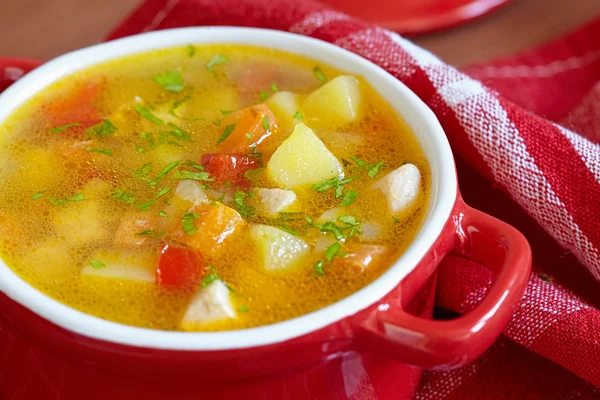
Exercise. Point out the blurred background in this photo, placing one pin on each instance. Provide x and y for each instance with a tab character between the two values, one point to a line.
43	29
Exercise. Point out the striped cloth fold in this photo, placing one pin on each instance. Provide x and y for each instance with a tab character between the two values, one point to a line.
525	132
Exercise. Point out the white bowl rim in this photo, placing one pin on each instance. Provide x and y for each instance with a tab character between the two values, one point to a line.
416	114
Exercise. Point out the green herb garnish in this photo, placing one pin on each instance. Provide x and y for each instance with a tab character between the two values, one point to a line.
97	264
146	113
77	197
318	268
164	172
145	206
298	115
163	214
274	87
170	80
180	134
150	232
59	129
225	112
239	203
396	220
332	251
38	195
102	129
349	198
327	227
248	136
263	95
197	176
288	229
375	169
123	196
162	192
243	309
265	123
187	223
61	202
358	161
319	74
108	152
226	132
143	172
191	50
216	60
193	164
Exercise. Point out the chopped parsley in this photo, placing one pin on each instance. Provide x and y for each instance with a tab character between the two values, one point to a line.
216	60
243	308
38	195
178	104
97	264
226	132
146	113
151	233
102	129
197	176
288	229
187	223
170	80
225	112
358	161
332	251
248	136
349	198
374	170
143	172
59	129
265	123
339	191
164	172
194	165
191	50
162	192
239	203
61	202
298	115
123	196
77	197
319	74
108	152
180	134
318	268
263	95
327	227
274	88
163	214
396	220
145	206
352	225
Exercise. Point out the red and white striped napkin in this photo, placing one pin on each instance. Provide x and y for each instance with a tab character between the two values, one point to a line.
525	133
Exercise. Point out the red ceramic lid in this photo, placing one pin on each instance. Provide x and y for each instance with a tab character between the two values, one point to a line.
416	16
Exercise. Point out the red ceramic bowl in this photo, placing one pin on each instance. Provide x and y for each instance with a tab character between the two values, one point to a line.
373	343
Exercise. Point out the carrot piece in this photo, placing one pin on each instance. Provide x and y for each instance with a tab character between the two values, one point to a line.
77	106
251	128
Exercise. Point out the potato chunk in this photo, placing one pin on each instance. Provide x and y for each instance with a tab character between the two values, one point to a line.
81	222
209	304
123	265
279	249
338	101
284	105
362	257
401	187
302	159
272	201
189	190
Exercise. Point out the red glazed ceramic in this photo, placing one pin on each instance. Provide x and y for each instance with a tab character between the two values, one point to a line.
370	345
417	16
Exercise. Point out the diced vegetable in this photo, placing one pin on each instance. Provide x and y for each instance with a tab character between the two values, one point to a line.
337	101
229	167
362	257
323	242
301	160
127	233
401	187
77	106
251	128
370	231
122	265
179	267
81	222
332	214
216	226
285	105
273	201
279	249
189	190
49	258
209	304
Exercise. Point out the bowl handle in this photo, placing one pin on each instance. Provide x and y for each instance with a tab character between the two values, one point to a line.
12	69
430	344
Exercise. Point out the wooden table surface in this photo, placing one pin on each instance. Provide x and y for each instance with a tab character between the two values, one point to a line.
46	28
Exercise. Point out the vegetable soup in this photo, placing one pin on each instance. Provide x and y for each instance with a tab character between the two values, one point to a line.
207	188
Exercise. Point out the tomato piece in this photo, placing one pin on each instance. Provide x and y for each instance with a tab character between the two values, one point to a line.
229	167
78	106
251	127
180	267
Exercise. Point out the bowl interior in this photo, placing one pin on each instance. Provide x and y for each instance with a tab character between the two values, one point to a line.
414	112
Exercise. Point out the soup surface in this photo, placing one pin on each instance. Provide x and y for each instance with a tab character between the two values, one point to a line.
207	188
